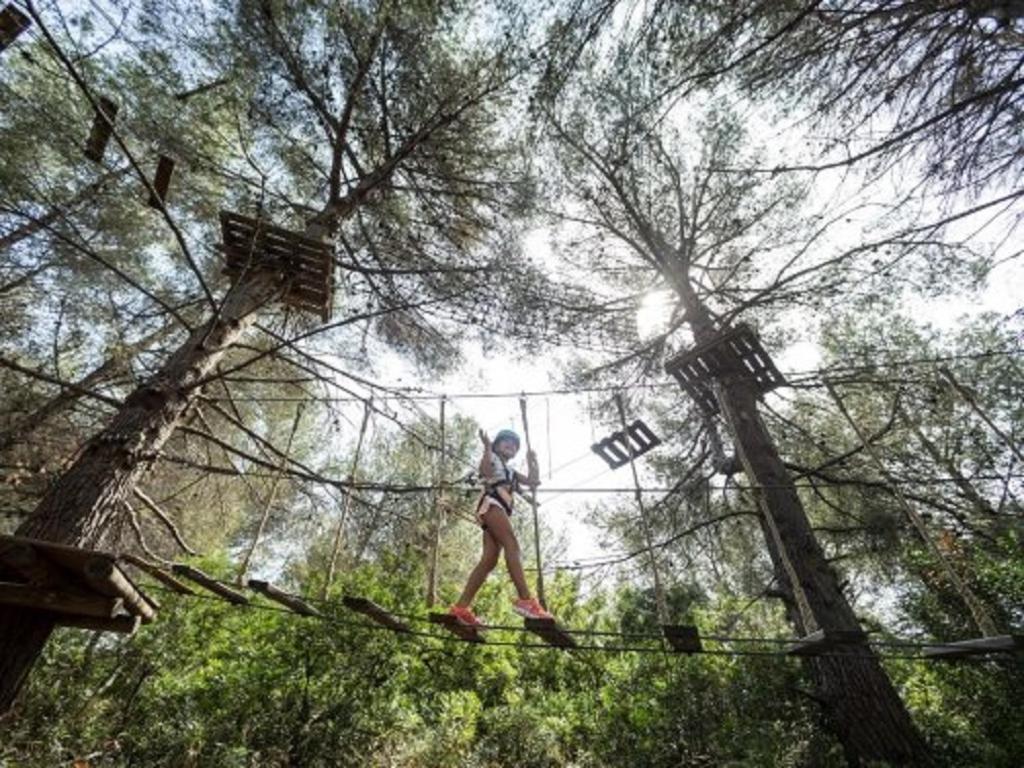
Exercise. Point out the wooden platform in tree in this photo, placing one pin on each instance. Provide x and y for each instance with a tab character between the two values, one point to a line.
12	23
549	631
76	587
306	263
736	352
682	638
614	449
375	612
457	628
977	647
825	640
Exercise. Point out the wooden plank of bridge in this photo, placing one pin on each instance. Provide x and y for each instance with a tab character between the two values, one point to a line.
159	574
457	628
292	602
976	647
68	603
682	638
549	631
209	583
825	640
375	612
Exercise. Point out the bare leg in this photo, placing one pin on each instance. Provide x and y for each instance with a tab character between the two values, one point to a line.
500	527
488	559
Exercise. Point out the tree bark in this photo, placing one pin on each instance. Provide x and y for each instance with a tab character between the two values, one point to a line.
86	500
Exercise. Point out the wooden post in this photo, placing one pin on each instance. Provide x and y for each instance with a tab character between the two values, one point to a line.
969	399
533	505
659	594
435	544
340	533
974	605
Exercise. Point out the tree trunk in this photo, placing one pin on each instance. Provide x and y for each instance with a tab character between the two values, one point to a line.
85	501
861	705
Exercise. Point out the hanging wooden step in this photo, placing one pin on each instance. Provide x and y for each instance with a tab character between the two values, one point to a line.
682	638
305	263
976	647
158	573
102	130
209	583
823	640
736	352
614	449
77	587
161	182
12	23
292	602
457	628
375	612
549	631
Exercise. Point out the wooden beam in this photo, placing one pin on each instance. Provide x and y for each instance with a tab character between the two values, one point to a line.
159	574
456	627
375	612
549	631
292	602
105	577
682	638
27	596
122	623
976	647
161	182
209	583
24	559
102	128
824	640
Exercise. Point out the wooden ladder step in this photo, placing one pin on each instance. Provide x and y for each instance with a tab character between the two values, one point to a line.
682	638
457	628
375	612
209	583
549	631
825	640
976	647
292	602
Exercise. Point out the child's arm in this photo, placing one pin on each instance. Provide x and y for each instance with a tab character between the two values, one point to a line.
532	478
485	460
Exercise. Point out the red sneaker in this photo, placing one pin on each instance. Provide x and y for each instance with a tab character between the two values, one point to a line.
465	616
531	609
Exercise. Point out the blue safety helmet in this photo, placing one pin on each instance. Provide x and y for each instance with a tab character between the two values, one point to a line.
505	434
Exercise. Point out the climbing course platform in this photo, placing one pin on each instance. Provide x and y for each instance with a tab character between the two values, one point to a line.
306	262
735	352
614	450
76	587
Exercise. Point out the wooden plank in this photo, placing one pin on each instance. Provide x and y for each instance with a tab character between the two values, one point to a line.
122	624
23	558
976	647
12	23
375	612
549	631
824	640
64	555
102	129
209	583
105	577
161	182
456	627
683	638
290	601
159	574
26	596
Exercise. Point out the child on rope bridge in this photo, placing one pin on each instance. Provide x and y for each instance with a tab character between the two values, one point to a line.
494	510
